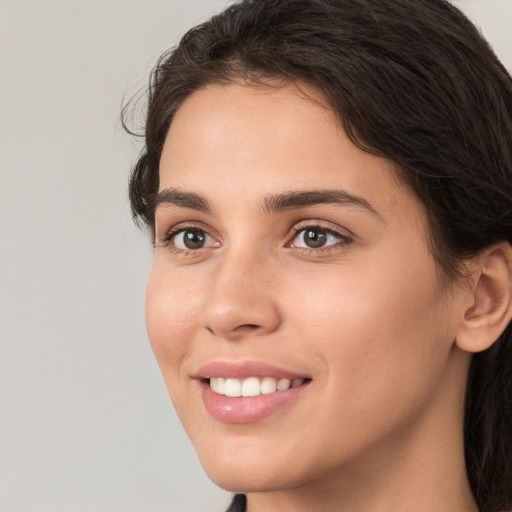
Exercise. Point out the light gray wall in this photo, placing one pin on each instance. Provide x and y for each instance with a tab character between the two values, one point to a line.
85	422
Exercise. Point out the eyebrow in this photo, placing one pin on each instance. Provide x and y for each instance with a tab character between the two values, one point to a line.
294	200
302	199
174	197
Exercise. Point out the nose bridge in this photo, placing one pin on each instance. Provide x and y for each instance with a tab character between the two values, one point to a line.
241	301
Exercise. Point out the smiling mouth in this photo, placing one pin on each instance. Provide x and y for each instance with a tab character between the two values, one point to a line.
252	386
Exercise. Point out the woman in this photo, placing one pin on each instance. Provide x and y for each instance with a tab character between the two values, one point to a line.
328	184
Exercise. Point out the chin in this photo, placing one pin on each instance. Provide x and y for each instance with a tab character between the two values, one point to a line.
238	473
248	479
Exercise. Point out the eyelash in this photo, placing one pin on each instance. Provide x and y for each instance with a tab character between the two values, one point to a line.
181	228
343	239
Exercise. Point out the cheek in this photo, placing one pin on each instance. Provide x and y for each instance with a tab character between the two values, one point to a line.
381	333
170	318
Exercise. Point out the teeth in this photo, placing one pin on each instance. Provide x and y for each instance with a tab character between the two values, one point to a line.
268	385
251	386
218	385
233	387
284	384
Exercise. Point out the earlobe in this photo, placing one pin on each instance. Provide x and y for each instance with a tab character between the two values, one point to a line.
491	308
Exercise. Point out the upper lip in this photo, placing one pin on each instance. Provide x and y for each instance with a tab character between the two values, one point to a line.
245	369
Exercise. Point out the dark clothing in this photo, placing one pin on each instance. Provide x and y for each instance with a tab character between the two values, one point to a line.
238	504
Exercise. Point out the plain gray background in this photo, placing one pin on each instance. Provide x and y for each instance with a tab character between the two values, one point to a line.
85	421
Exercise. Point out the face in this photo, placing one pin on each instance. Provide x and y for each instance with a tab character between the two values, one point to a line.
293	268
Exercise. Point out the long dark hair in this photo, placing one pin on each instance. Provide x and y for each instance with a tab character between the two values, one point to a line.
412	81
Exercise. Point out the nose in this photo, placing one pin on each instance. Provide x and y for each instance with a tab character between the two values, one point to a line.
242	300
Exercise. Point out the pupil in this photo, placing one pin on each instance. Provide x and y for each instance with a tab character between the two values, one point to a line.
315	238
193	239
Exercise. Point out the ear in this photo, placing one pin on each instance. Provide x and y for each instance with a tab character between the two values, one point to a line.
491	296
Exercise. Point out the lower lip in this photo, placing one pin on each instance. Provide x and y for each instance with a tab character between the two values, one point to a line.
247	409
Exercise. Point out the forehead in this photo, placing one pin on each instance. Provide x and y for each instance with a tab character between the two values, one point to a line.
240	141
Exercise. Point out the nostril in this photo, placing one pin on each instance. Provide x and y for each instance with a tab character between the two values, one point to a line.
247	327
237	331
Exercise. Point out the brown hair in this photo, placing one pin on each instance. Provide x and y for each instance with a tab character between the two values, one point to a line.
413	81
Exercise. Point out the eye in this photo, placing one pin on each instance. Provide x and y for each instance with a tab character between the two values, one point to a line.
190	239
316	238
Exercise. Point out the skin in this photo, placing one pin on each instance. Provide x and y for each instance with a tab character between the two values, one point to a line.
366	316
